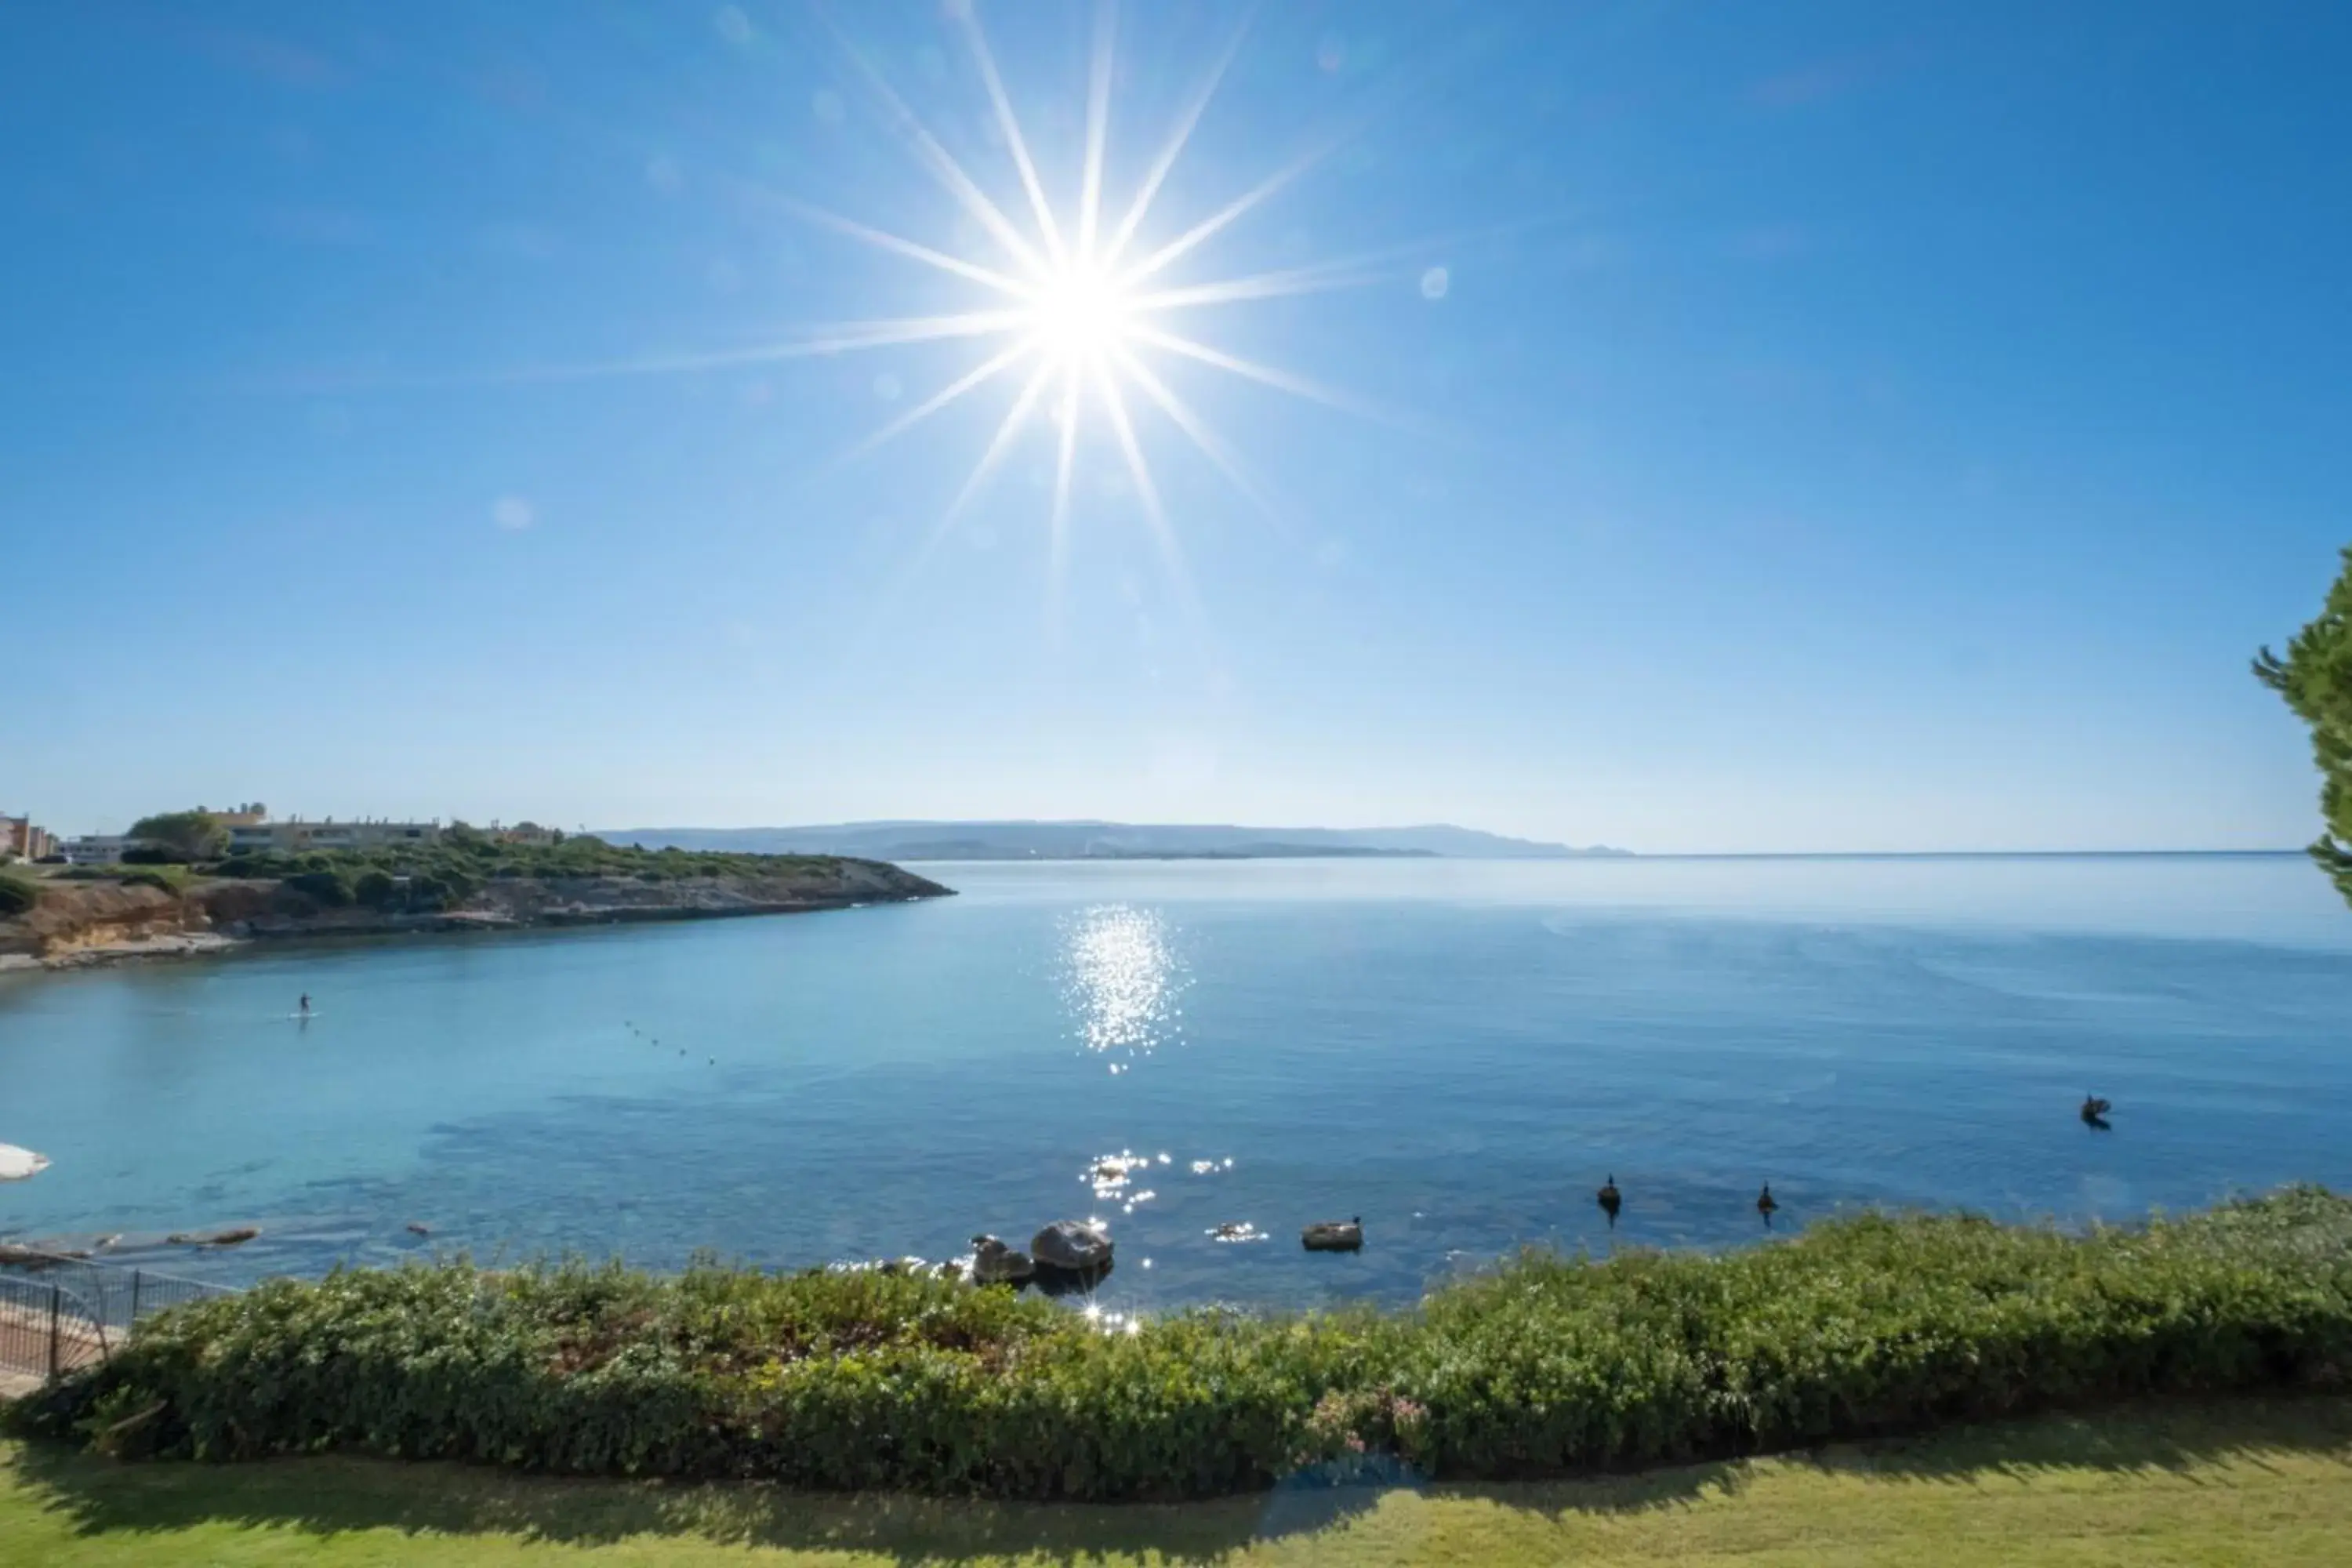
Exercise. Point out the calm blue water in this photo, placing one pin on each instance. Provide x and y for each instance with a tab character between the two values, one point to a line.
1457	1052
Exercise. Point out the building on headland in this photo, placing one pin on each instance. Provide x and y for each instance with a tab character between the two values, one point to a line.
95	849
24	839
528	833
294	836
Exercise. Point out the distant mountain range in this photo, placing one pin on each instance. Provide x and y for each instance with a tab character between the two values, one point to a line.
1100	841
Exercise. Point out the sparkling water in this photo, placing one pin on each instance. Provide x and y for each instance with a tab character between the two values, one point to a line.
1458	1052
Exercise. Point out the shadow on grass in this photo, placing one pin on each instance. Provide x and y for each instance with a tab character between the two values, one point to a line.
337	1493
334	1494
2180	1436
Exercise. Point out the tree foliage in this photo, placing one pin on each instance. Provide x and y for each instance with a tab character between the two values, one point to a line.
186	835
2316	680
442	875
17	894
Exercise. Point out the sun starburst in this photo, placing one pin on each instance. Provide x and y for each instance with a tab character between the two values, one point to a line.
1073	321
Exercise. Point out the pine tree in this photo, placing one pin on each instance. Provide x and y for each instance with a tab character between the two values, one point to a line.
2316	680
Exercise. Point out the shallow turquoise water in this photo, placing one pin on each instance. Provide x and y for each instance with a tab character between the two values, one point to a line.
1457	1052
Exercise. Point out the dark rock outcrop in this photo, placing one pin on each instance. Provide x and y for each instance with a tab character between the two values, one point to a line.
1071	1245
1334	1236
994	1263
237	1236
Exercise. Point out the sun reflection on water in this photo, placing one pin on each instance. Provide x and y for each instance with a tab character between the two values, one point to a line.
1122	980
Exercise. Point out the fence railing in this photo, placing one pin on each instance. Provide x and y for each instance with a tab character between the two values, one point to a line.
59	1313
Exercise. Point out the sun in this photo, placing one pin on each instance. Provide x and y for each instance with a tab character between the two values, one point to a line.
1081	314
1074	313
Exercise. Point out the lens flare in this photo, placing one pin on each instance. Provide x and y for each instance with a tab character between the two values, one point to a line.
1072	301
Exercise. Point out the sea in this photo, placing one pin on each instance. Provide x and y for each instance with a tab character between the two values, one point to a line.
1458	1053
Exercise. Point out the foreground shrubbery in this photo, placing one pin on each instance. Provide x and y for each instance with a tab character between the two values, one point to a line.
1544	1365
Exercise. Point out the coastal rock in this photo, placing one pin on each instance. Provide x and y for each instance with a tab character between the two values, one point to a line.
1334	1236
1071	1245
1070	1282
994	1263
235	1236
33	1259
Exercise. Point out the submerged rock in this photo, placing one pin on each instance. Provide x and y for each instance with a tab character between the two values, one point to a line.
1070	1281
1072	1246
236	1236
34	1258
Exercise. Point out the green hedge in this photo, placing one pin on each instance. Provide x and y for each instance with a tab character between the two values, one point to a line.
1542	1366
332	888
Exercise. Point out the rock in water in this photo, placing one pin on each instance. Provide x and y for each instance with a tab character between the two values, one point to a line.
1335	1235
994	1263
33	1259
235	1237
1071	1245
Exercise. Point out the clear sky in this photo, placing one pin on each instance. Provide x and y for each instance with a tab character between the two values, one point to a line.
1725	427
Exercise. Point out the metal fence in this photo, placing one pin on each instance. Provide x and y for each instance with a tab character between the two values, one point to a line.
59	1313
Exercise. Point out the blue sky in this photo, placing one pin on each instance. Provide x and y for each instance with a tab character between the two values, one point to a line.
1840	426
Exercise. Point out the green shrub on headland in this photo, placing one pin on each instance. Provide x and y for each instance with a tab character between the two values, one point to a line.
420	877
17	893
1543	1365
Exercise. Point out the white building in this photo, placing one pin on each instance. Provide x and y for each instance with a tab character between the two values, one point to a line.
95	849
294	836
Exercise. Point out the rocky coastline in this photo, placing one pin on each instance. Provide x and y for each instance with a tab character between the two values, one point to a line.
77	924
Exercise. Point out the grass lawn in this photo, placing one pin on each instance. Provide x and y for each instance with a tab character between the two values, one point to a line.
2236	1482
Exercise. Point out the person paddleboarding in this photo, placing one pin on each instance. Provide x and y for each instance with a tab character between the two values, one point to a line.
303	1009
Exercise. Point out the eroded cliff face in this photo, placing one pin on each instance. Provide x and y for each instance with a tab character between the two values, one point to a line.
78	921
71	916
